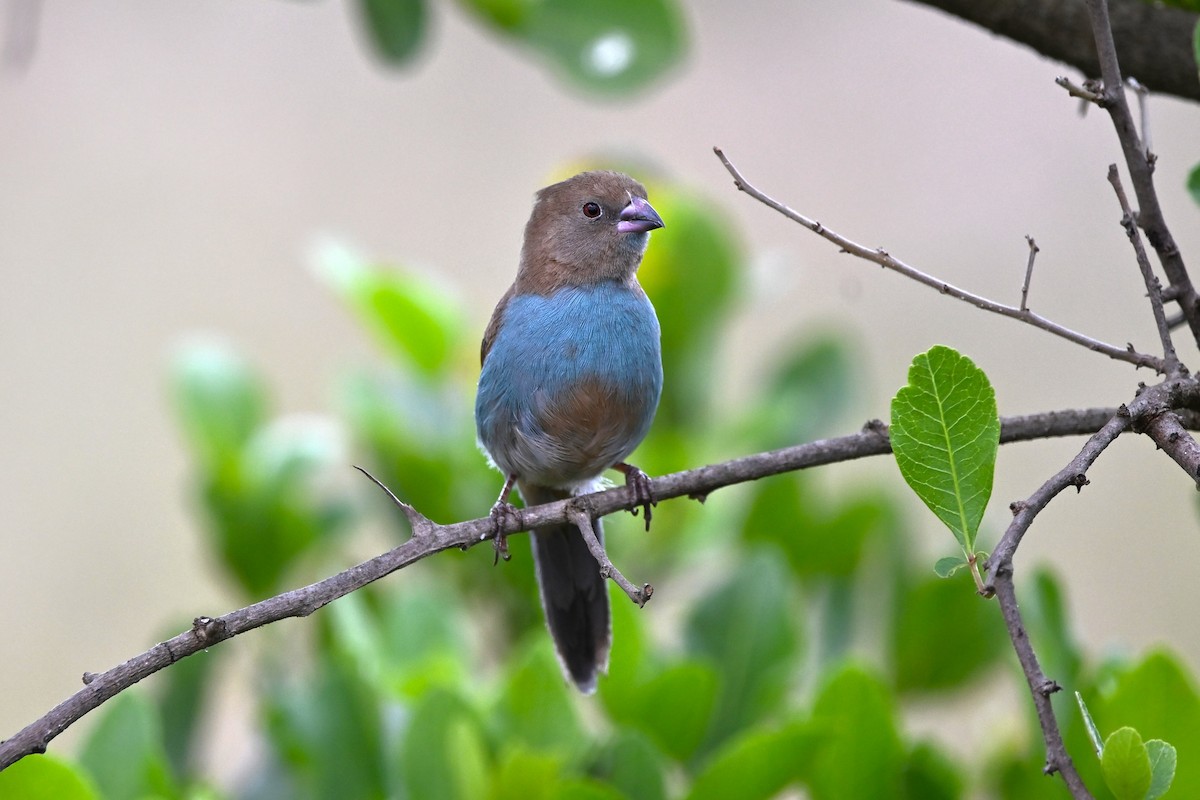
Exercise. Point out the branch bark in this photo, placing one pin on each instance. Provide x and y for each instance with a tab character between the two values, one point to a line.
429	537
1154	41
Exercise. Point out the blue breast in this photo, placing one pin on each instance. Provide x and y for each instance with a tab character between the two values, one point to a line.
604	335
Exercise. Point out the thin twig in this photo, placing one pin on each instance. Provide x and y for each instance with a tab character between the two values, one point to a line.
1082	92
583	521
1033	251
429	538
1153	287
1142	94
1141	173
883	259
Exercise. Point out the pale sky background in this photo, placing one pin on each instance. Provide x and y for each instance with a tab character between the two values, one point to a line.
166	166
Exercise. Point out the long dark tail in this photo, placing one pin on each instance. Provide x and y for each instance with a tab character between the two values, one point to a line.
574	595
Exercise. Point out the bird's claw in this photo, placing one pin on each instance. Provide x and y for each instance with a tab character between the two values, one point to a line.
643	492
501	513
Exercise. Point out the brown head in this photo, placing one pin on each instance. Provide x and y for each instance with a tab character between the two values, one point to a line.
592	227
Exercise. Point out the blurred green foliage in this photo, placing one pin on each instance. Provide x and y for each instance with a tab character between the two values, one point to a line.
615	48
792	627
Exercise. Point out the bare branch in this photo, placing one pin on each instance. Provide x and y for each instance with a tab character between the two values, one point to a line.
1153	287
1141	169
429	538
1033	251
583	521
883	259
1085	92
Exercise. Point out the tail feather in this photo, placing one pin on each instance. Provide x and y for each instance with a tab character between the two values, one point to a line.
574	595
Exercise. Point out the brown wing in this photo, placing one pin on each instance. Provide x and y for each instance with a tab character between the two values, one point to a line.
489	335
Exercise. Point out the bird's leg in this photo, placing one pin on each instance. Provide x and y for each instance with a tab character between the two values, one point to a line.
502	511
639	483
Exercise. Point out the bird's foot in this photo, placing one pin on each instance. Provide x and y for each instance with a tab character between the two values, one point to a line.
643	491
502	512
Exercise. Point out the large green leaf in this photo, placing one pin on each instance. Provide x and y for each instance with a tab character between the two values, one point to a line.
124	753
412	317
929	774
443	752
41	777
633	764
1158	698
748	629
329	732
185	695
861	754
615	47
943	635
1126	765
945	433
395	27
219	399
674	707
758	764
535	708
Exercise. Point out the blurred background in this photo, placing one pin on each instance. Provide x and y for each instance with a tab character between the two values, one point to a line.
192	190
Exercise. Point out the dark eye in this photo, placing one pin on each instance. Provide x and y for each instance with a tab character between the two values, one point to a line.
591	210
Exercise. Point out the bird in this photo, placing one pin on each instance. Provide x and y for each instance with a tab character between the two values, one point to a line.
571	376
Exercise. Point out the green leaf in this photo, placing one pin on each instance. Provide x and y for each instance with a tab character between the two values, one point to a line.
1162	767
1090	726
820	536
615	47
42	777
396	27
1126	765
412	317
182	703
747	629
443	753
757	764
807	393
523	775
1159	697
124	753
946	566
1048	622
219	399
329	731
929	774
861	754
633	764
535	708
943	635
674	707
280	501
1193	179
945	433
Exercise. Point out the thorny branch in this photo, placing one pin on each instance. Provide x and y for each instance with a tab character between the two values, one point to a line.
1140	164
884	259
429	537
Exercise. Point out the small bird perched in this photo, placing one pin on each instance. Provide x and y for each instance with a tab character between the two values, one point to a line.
572	373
